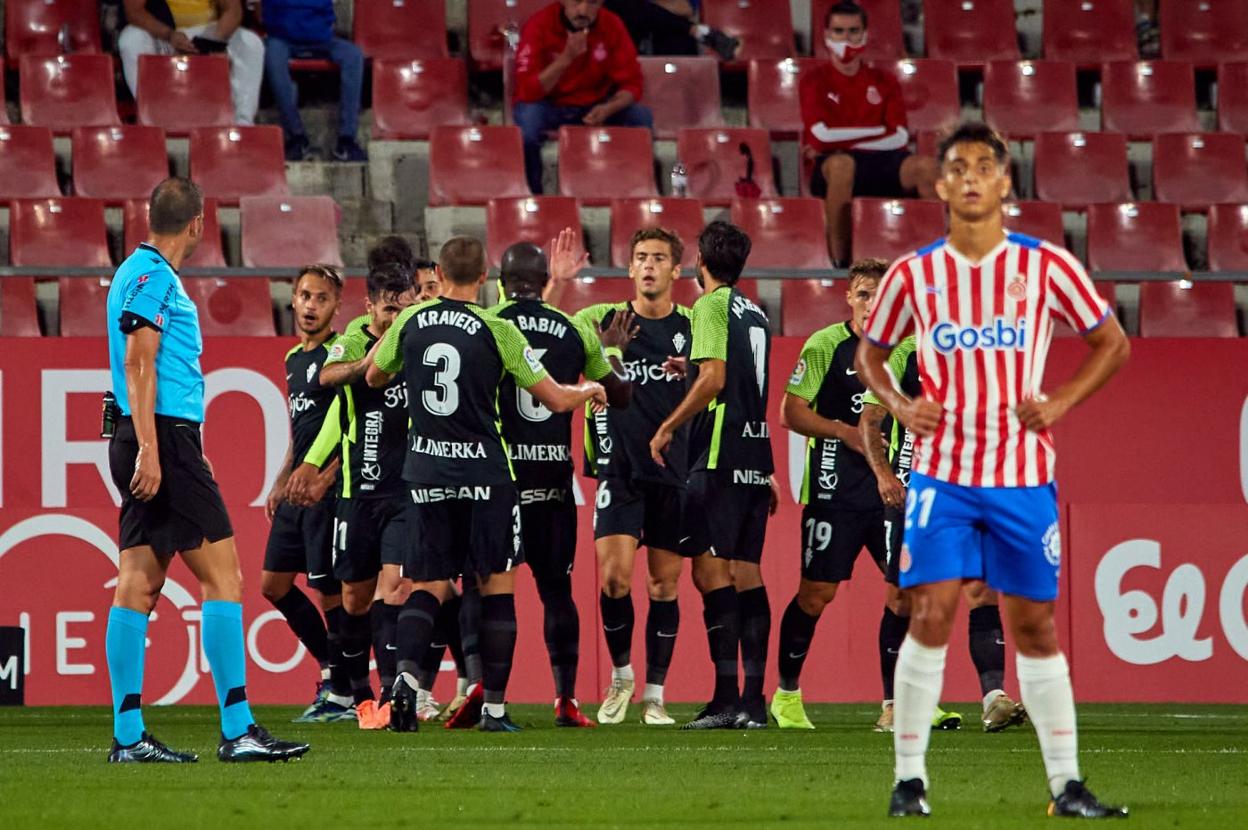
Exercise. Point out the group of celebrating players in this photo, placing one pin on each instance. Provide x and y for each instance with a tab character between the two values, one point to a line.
431	456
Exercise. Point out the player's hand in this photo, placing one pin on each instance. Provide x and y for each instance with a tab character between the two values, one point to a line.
1041	412
597	116
677	366
892	492
658	445
577	45
598	397
182	44
621	331
567	256
921	416
146	481
774	503
276	496
301	484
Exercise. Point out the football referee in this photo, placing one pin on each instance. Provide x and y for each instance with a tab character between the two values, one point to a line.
170	502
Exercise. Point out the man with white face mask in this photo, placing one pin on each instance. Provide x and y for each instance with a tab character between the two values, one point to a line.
854	129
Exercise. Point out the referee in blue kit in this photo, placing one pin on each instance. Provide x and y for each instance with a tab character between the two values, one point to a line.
170	502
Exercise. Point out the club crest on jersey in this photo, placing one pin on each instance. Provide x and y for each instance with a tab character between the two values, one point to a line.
1017	289
799	372
678	340
1000	334
873	96
311	371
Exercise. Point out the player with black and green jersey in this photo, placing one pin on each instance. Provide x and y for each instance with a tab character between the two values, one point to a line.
299	539
540	444
730	491
369	428
985	638
465	513
639	502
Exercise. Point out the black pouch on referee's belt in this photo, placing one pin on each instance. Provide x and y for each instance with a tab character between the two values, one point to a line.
109	414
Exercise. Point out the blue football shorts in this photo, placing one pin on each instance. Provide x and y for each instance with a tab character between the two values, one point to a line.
1007	536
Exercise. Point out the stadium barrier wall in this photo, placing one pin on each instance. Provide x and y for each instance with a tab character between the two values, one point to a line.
1154	480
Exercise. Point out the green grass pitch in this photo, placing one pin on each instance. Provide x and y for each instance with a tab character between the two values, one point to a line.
1176	766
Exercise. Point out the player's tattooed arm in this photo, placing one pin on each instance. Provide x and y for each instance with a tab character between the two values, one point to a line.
920	415
892	493
797	415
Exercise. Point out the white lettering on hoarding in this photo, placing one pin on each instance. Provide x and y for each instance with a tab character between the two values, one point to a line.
65	643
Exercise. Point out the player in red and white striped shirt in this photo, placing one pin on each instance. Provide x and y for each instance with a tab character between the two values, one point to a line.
982	503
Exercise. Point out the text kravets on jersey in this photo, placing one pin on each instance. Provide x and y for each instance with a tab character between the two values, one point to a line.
467	321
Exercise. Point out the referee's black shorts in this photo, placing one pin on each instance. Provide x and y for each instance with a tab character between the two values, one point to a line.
187	510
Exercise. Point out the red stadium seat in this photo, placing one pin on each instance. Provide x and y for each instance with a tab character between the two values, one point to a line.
1077	169
354	293
809	305
1233	97
891	228
4	107
1203	32
410	97
598	164
49	232
81	302
765	31
536	219
772	87
1022	98
400	29
682	216
208	253
67	91
33	27
1198	169
1228	237
1177	309
681	93
19	313
471	165
487	22
27	163
786	233
1089	32
232	162
715	162
1135	236
118	163
1141	98
930	89
1042	220
239	307
289	231
182	92
885	40
970	32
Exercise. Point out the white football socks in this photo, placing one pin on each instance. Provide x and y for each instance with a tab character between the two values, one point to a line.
1050	701
653	692
622	672
920	675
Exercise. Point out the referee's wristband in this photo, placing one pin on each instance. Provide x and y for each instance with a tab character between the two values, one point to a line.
613	351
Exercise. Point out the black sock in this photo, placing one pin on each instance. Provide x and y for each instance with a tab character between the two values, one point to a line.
563	632
383	619
431	663
469	632
988	647
754	612
356	633
797	630
617	627
662	623
719	612
454	640
339	680
498	644
304	618
415	629
892	632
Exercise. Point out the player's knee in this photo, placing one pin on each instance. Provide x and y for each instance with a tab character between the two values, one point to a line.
273	588
663	588
139	591
931	622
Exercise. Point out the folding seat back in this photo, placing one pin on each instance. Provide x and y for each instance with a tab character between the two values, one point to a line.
598	164
181	92
772	87
1042	220
1022	98
1076	169
207	254
27	163
930	90
681	93
1201	309
237	307
1198	169
970	31
809	305
488	23
471	165
536	219
119	163
1203	31
81	304
400	29
34	27
289	231
892	228
410	97
1141	98
764	30
232	162
786	233
51	232
1233	97
67	91
1228	237
719	161
19	312
1135	236
1089	32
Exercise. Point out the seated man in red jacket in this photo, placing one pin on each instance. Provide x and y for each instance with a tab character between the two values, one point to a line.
576	64
854	130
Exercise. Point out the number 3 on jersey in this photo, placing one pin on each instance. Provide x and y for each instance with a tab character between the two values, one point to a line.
445	399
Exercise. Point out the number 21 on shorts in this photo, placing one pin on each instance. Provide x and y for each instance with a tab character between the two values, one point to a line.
922	499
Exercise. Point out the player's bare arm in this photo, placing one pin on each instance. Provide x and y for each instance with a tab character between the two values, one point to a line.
918	415
374	376
892	493
560	398
345	374
308	484
1109	350
797	415
140	367
710	382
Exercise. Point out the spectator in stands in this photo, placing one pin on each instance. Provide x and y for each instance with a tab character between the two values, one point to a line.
671	27
305	29
193	27
576	65
854	130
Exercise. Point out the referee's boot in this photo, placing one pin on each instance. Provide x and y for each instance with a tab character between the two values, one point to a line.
1077	801
909	799
148	750
256	744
